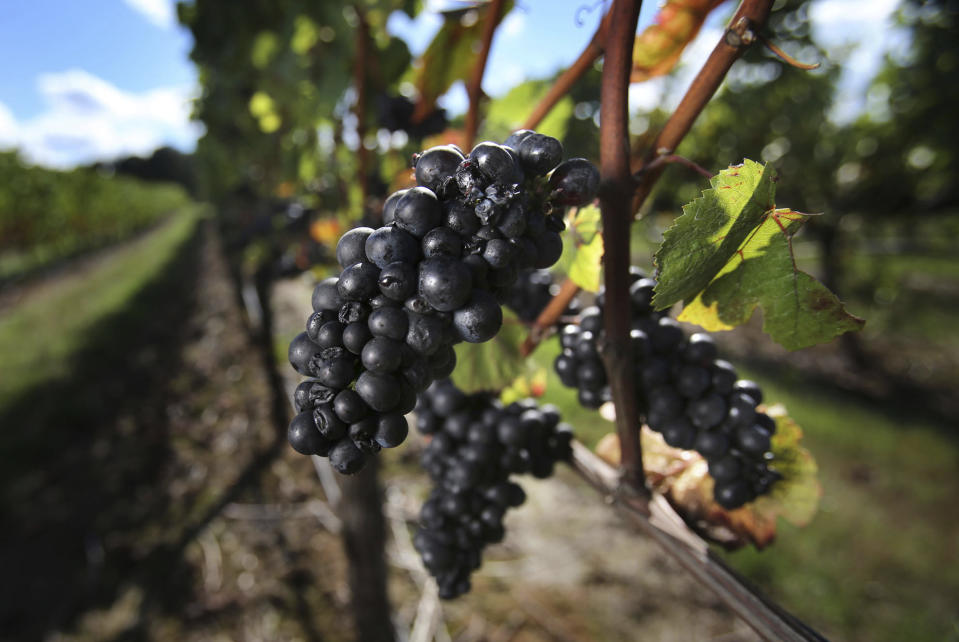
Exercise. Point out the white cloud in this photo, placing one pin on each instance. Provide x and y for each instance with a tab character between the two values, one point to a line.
87	119
159	12
513	25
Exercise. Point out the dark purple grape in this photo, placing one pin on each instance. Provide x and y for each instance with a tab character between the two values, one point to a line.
389	206
723	377
328	423
480	319
732	494
549	247
725	469
514	139
750	388
355	336
707	411
711	445
461	219
442	241
392	323
679	433
398	280
539	154
591	374
391	245
693	381
381	355
445	283
496	164
363	435
330	335
304	437
381	392
418	211
574	182
498	253
435	165
326	296
349	407
351	248
753	439
426	333
302	352
346	458
700	349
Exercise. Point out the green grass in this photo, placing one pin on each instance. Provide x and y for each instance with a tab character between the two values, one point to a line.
38	336
878	560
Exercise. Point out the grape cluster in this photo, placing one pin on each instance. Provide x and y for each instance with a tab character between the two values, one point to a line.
476	444
693	398
432	276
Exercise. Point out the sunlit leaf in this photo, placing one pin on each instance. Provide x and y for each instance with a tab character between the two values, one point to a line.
731	252
582	258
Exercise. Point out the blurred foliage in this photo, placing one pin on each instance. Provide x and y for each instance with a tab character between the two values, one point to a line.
275	76
46	215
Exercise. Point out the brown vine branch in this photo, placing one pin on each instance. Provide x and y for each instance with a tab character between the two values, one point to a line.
593	50
750	16
549	316
657	519
616	187
474	89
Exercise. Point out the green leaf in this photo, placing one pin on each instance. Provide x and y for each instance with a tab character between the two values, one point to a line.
731	252
798	310
582	258
492	365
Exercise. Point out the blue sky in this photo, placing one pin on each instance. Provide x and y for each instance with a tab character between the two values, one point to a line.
96	80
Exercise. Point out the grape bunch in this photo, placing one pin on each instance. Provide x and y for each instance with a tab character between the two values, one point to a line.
476	444
693	398
433	275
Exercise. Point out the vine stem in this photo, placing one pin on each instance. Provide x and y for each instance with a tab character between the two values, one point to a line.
593	50
657	519
474	89
743	28
616	188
